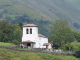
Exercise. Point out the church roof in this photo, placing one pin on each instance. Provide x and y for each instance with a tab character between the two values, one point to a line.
28	41
40	35
46	44
30	25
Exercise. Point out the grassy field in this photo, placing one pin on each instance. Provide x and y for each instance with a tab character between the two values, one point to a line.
6	44
6	54
24	49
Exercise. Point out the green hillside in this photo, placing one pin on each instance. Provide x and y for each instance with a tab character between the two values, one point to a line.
41	12
6	54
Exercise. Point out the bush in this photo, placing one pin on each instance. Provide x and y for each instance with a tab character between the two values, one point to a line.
15	42
21	46
77	53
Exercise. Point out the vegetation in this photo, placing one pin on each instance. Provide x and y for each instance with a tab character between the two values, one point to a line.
6	54
76	35
41	23
6	44
29	11
9	32
42	13
15	42
64	38
78	53
61	33
24	49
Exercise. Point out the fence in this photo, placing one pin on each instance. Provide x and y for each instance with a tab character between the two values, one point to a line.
15	48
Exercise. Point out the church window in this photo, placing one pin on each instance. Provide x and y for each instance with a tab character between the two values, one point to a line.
30	31
27	31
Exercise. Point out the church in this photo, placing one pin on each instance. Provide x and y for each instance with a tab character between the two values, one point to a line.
31	38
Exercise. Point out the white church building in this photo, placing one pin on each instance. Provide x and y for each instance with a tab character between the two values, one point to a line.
31	38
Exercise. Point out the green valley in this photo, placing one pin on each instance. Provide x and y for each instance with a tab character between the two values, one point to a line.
41	12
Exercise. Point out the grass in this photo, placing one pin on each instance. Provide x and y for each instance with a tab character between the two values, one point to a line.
6	44
24	49
6	54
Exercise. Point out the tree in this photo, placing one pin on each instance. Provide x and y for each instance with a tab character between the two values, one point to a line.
77	53
16	32
76	35
61	33
20	24
9	32
25	15
76	45
57	25
5	31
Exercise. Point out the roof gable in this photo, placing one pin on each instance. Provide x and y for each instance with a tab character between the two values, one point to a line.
30	25
40	35
46	44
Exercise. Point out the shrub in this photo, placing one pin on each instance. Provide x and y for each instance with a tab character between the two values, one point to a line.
77	53
15	42
21	46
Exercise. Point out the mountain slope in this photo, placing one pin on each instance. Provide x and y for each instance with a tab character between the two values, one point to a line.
42	11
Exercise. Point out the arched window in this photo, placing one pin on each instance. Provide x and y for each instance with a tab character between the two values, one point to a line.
27	31
30	31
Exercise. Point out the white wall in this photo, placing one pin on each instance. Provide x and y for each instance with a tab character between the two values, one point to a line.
49	46
29	36
39	41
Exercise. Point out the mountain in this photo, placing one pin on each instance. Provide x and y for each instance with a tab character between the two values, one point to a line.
41	12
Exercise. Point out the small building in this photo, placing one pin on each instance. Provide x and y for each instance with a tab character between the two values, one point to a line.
31	38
